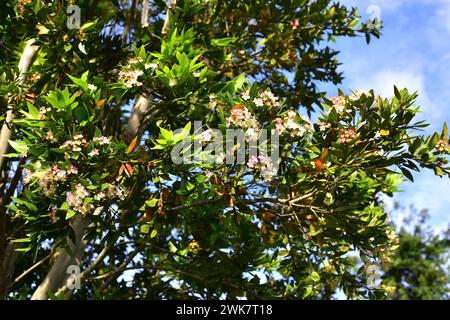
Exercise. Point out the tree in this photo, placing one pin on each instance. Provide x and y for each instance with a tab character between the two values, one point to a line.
419	269
97	118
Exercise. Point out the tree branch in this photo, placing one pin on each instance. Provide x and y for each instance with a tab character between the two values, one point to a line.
7	253
89	269
58	272
25	63
29	270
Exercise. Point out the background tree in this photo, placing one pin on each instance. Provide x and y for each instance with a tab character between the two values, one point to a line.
91	114
419	269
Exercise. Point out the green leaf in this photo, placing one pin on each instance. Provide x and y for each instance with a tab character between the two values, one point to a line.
42	30
70	214
167	134
79	82
145	228
153	234
21	240
397	93
407	174
151	203
65	206
434	139
81	113
20	146
315	276
222	42
444	134
235	84
172	247
82	48
88	25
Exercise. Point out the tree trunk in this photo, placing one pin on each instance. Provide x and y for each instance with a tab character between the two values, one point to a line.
57	276
7	269
7	254
26	60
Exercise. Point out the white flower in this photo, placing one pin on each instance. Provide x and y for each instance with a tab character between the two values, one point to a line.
205	136
323	126
252	134
49	136
258	102
212	101
130	77
150	66
92	87
246	95
197	74
97	211
93	153
220	158
101	140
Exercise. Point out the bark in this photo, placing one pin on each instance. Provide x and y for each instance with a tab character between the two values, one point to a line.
8	254
26	60
144	14
142	105
7	269
57	276
166	26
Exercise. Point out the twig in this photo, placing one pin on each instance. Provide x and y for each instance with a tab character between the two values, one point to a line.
29	270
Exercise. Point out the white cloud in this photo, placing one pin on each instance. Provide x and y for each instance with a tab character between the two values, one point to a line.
383	82
427	192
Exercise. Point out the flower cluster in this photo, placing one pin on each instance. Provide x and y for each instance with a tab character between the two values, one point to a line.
346	135
116	192
75	144
264	164
241	117
50	136
206	136
48	178
288	123
442	146
385	253
266	98
323	126
78	142
101	140
22	3
130	77
130	73
75	199
339	104
43	111
294	24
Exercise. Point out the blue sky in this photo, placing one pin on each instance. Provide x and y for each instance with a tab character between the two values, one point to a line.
413	52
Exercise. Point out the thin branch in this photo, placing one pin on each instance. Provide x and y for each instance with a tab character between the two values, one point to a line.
120	268
144	14
166	26
89	269
29	270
